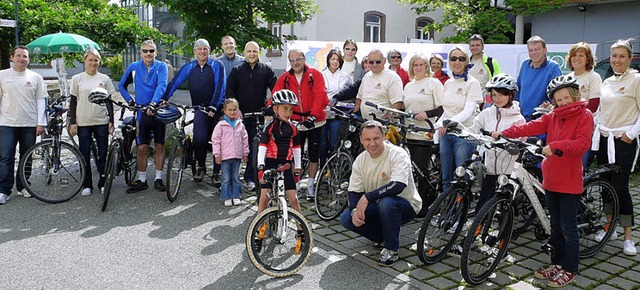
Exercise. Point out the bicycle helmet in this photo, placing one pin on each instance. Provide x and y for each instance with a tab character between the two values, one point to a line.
284	97
168	113
99	96
563	81
502	81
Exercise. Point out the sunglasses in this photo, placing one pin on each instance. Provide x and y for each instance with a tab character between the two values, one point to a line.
375	61
458	58
395	56
148	50
349	49
296	59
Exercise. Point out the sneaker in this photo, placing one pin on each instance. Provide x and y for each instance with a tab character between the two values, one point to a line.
24	193
601	233
200	174
101	190
216	179
228	202
387	257
251	186
237	201
547	273
3	198
136	186
158	184
629	248
311	193
378	245
86	192
561	279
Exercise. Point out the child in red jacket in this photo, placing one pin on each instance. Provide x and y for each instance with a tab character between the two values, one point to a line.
569	128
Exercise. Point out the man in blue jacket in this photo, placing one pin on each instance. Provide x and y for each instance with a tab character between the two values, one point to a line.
149	77
207	84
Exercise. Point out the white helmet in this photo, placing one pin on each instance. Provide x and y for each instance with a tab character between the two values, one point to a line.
284	97
502	81
99	95
563	81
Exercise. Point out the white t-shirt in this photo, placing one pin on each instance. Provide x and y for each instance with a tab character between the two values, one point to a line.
384	88
590	83
19	95
368	174
478	71
88	113
422	95
335	82
620	103
457	93
349	67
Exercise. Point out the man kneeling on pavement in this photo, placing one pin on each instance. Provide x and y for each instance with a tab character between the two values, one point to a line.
382	194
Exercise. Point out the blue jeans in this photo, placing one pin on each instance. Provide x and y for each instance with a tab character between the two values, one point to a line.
563	209
11	136
230	179
382	221
329	140
85	136
454	151
587	158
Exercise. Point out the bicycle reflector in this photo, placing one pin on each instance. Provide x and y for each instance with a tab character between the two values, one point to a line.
503	180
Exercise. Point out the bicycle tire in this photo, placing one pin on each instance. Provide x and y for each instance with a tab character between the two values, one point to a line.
269	257
111	171
598	199
487	240
524	214
439	232
35	172
129	156
175	170
331	186
189	158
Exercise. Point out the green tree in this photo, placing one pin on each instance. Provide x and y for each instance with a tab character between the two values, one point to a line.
480	16
111	26
213	19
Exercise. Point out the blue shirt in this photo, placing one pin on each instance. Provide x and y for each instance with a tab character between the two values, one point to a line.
149	83
207	84
230	63
533	85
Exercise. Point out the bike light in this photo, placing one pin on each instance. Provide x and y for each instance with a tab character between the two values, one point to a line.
347	144
503	180
460	171
352	128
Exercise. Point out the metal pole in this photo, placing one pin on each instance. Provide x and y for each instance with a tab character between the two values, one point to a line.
16	28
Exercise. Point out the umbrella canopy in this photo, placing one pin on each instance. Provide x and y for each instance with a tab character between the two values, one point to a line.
61	42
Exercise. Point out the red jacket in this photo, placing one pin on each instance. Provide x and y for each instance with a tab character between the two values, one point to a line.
311	93
404	76
569	130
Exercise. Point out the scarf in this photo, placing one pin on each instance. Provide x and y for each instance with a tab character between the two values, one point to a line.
465	74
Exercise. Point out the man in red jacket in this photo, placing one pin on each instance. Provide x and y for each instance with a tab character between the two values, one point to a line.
308	84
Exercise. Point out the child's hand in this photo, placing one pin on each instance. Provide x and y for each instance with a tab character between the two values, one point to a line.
218	159
245	159
495	135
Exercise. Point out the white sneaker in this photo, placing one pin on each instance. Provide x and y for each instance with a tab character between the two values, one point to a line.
600	235
3	198
251	186
311	193
237	201
228	202
629	248
86	192
101	190
24	193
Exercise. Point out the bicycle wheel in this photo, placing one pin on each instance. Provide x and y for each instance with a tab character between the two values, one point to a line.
275	250
524	214
111	171
175	169
254	162
487	240
130	163
598	212
442	224
52	173
332	183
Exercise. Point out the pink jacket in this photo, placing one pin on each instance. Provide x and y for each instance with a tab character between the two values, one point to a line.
228	142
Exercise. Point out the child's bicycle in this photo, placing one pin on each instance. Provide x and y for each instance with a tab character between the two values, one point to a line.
279	240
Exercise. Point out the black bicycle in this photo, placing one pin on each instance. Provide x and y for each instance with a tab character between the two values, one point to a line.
258	118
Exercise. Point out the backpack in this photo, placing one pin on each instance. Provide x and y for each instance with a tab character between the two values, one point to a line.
490	64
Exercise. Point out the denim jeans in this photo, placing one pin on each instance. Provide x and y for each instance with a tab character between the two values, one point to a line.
587	158
250	126
86	134
329	140
454	151
11	136
382	221
563	209
230	179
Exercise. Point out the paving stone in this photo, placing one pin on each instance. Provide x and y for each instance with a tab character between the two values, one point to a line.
420	274
441	283
530	264
403	253
516	271
608	267
581	281
632	275
415	260
595	274
323	232
438	268
622	283
337	237
401	266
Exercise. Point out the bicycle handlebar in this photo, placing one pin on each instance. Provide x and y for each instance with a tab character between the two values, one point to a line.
387	109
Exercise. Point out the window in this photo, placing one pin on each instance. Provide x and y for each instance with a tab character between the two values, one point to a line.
276	30
421	23
374	26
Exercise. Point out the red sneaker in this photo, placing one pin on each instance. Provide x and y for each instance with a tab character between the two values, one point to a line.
561	279
547	273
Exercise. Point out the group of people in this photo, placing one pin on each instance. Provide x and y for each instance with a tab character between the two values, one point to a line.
586	114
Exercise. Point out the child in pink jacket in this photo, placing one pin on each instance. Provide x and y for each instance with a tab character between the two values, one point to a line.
230	146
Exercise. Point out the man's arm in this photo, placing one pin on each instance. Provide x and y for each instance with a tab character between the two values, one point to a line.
220	79
178	80
161	86
127	78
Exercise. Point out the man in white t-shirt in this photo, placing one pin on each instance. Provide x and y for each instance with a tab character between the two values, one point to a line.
380	86
382	194
22	117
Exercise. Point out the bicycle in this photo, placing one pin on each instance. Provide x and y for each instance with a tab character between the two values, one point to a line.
181	153
332	180
53	170
279	239
121	155
258	117
488	237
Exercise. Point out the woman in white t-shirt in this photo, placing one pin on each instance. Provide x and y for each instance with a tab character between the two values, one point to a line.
422	97
335	80
351	66
88	120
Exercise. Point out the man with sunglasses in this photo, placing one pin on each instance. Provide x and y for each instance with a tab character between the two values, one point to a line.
395	59
380	86
149	77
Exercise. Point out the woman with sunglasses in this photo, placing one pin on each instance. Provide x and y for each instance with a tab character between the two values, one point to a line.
351	66
394	58
462	94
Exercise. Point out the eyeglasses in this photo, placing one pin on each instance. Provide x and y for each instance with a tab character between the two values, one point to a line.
395	56
296	59
458	58
350	49
148	50
375	61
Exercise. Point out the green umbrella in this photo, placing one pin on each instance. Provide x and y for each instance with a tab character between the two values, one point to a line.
61	43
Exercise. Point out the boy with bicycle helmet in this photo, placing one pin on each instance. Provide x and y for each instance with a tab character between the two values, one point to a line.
569	128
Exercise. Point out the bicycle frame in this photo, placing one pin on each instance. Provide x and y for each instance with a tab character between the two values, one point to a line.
277	181
521	178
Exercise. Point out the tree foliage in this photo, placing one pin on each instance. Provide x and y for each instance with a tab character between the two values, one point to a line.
242	19
480	16
111	26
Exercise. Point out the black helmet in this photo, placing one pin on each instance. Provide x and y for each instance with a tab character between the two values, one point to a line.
99	96
284	97
168	113
502	81
563	81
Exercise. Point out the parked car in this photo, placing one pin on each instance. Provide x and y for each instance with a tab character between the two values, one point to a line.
603	67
